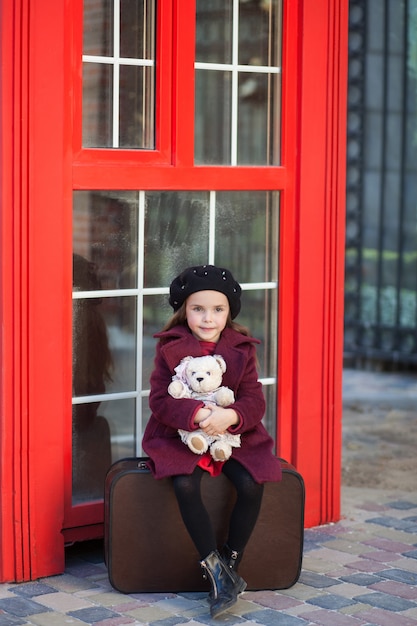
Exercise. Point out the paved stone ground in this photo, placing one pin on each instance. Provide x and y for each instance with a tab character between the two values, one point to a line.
380	430
361	571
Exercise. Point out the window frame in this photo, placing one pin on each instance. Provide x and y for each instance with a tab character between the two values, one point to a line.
112	157
93	168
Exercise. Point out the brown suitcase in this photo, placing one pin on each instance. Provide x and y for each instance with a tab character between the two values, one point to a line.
147	548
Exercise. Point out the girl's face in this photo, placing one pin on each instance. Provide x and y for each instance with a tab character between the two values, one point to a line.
207	313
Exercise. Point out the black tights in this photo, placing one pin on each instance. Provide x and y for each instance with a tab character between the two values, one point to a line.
196	518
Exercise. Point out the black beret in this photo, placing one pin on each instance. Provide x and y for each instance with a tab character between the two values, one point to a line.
203	278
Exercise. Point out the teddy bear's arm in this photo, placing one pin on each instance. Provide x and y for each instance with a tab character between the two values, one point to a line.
224	396
177	389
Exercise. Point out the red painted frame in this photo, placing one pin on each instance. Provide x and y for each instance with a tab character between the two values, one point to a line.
320	225
41	163
35	283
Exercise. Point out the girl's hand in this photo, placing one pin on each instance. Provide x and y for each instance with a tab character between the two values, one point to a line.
219	420
201	414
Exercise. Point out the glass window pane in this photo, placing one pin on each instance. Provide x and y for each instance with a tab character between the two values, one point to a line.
258	105
91	452
176	234
121	416
104	345
257	307
213	114
102	433
128	242
259	24
248	222
119	74
270	418
98	27
105	231
136	120
120	316
146	413
104	334
214	31
156	313
97	105
137	29
237	100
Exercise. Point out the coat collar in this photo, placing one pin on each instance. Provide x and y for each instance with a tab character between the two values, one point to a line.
229	336
178	342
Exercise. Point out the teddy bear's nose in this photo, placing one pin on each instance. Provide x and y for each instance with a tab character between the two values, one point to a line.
200	379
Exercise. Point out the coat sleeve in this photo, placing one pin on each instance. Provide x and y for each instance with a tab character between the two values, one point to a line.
250	400
173	412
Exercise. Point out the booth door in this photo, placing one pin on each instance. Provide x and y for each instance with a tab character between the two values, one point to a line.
205	113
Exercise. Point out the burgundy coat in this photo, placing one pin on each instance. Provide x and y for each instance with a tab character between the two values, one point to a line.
161	441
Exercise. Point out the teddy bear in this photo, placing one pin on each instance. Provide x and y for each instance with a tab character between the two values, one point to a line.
200	378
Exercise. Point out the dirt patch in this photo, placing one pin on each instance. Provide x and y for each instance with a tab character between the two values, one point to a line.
379	447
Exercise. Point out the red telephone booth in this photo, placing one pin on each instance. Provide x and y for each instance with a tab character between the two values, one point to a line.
138	138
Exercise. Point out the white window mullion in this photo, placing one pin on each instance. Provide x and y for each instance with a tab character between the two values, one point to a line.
104	397
139	321
116	73
212	227
235	76
104	293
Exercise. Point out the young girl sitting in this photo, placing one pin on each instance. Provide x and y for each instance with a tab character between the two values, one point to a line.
205	300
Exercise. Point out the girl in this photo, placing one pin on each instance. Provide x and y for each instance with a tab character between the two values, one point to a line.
205	300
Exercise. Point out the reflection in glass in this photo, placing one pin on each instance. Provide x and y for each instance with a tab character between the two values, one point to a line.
99	441
91	370
104	329
259	24
91	453
105	227
105	232
91	355
104	360
176	234
120	317
213	117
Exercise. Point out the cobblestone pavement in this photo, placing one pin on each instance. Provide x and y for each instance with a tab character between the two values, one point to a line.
361	571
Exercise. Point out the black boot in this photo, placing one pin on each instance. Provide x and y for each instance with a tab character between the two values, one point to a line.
231	557
224	584
232	560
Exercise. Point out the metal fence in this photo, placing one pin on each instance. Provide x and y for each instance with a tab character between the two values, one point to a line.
381	224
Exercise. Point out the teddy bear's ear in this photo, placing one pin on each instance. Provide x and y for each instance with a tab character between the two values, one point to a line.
180	369
220	360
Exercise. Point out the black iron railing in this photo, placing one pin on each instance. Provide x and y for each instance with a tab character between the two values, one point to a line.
381	222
